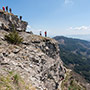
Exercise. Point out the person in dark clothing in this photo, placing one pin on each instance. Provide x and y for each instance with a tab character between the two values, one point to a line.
10	10
3	8
56	87
20	17
45	33
40	33
7	8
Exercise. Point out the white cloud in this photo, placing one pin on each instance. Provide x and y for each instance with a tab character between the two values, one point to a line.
80	28
68	1
28	28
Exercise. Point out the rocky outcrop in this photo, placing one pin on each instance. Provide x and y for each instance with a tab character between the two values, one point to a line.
36	60
9	19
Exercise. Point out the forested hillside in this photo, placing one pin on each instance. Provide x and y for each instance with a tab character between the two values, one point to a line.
75	54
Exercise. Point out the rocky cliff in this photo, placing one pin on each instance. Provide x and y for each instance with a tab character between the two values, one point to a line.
34	64
9	19
36	60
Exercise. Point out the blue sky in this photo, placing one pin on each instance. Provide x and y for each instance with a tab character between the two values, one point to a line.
57	17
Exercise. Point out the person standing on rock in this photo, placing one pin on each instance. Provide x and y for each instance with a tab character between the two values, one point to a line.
45	33
10	10
56	87
20	17
7	8
3	8
40	33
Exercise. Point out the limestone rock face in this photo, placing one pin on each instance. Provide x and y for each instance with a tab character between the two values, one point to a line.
36	60
8	19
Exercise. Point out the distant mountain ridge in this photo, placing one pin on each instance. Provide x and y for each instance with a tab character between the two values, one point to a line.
75	53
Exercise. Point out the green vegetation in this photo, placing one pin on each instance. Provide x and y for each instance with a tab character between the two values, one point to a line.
14	38
13	81
75	54
70	83
16	78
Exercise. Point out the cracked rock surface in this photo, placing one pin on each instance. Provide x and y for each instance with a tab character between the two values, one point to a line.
36	59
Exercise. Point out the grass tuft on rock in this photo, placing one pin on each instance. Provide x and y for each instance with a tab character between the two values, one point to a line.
13	81
14	38
16	78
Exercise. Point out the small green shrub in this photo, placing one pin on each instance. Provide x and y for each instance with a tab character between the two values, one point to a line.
16	78
14	38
